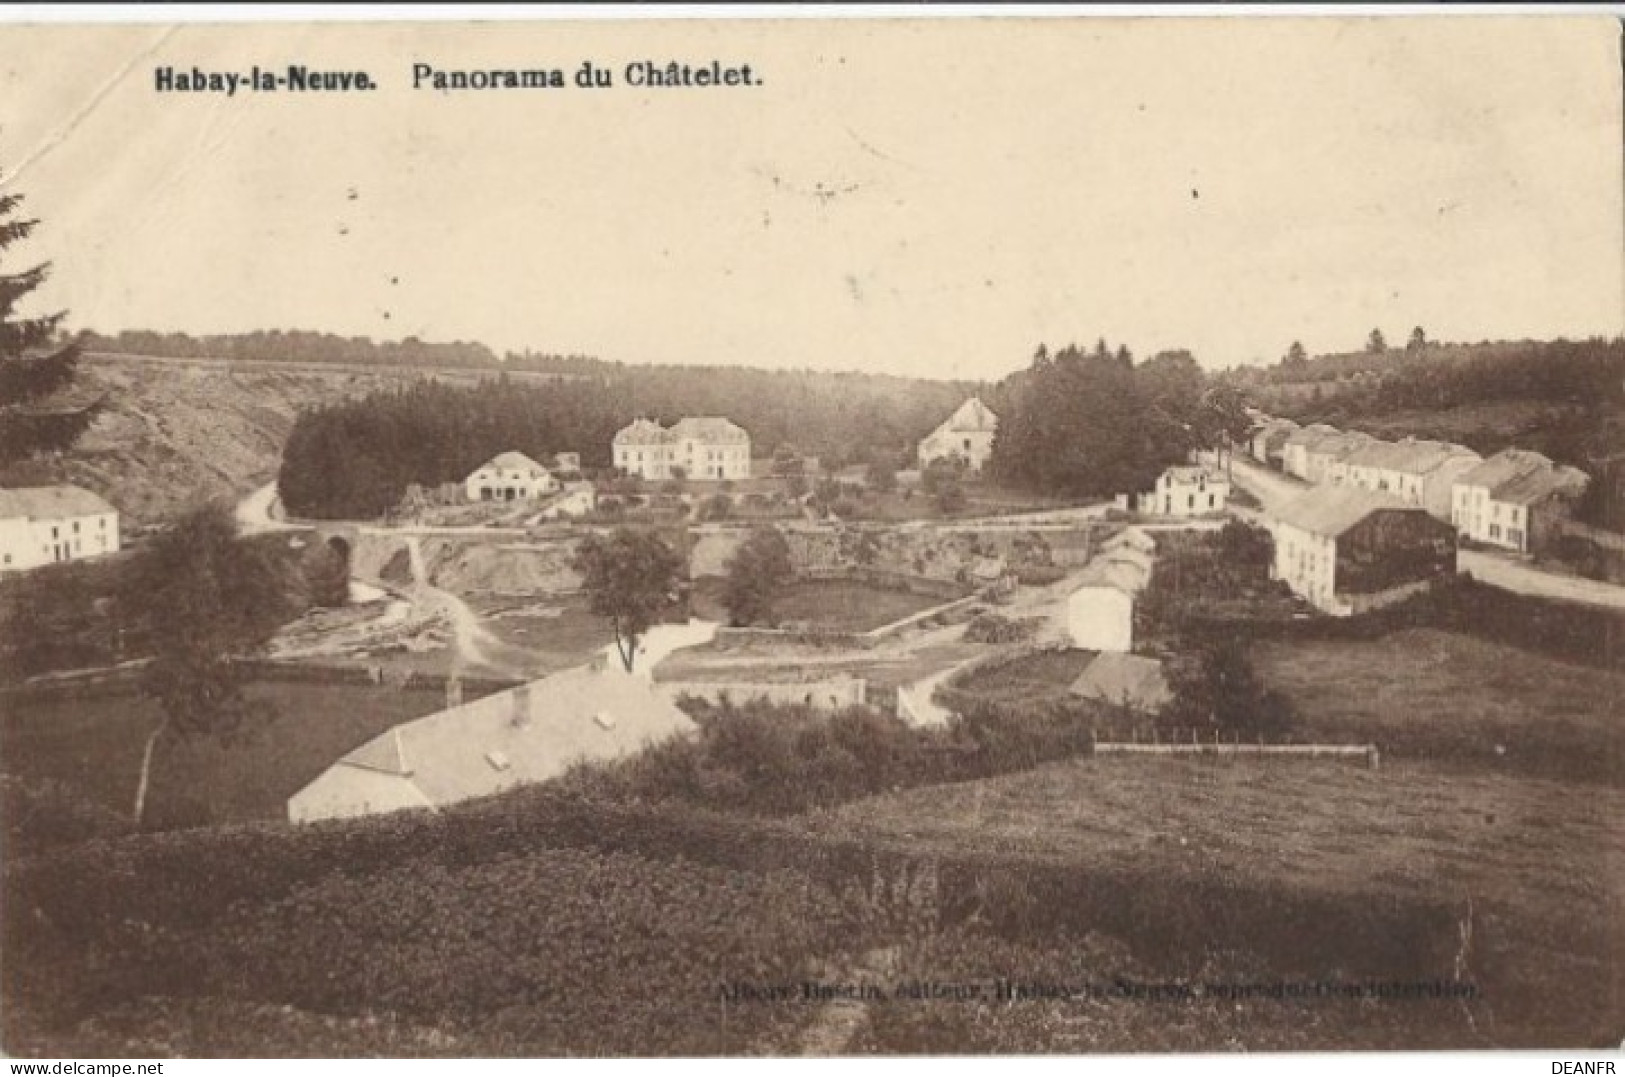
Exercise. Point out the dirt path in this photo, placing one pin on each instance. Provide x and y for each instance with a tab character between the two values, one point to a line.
474	645
838	1022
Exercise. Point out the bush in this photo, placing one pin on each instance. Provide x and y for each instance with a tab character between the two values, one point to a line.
41	814
996	629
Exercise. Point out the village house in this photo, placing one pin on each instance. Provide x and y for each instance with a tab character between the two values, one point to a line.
1417	472
510	476
1100	611
1323	456
1347	550
566	463
1187	490
1516	499
694	448
522	736
1268	441
44	525
966	435
1295	448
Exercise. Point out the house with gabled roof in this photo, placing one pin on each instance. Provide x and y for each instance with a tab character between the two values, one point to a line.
522	736
1100	609
43	525
1347	550
1187	490
1516	499
510	476
966	435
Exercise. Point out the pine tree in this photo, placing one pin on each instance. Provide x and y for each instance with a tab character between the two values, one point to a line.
39	411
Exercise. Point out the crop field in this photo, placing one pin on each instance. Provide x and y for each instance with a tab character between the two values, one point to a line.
94	745
1450	698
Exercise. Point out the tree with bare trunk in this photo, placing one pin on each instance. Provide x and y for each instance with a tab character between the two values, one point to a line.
206	598
631	577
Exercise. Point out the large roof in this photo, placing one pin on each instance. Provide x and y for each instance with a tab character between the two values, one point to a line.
1519	476
1341	445
512	461
50	503
518	737
1312	435
1410	456
1124	678
708	428
642	432
1115	571
973	416
1132	537
1535	486
1331	510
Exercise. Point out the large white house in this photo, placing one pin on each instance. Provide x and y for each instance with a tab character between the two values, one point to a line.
967	435
510	476
1515	499
43	525
694	448
1187	490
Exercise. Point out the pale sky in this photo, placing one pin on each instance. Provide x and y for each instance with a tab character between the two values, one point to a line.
927	197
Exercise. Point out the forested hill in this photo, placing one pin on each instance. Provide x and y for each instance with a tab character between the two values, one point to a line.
820	412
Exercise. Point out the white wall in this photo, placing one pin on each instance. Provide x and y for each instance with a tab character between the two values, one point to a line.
29	543
1101	618
1308	564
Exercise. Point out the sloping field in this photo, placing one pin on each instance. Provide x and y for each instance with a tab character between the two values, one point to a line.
1447	697
1534	870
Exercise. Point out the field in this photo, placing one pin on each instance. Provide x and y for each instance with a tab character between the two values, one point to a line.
94	745
1524	862
1045	675
1450	698
832	605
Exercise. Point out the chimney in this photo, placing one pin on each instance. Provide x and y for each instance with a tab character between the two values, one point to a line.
519	717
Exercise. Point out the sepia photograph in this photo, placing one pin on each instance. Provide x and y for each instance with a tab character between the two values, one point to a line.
931	534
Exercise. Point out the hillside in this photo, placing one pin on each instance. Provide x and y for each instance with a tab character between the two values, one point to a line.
174	433
181	429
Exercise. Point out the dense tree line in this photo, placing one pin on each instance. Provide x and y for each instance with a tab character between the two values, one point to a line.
1464	373
294	345
355	458
1095	423
1589	372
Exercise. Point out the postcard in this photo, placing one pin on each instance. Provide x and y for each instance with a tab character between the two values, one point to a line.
835	535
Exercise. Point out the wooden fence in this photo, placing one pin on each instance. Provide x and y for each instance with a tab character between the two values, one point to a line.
1190	742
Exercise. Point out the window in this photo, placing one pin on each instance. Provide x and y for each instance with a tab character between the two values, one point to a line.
1190	501
76	527
1210	498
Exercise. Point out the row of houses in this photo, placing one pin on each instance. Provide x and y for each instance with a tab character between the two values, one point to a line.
1516	499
